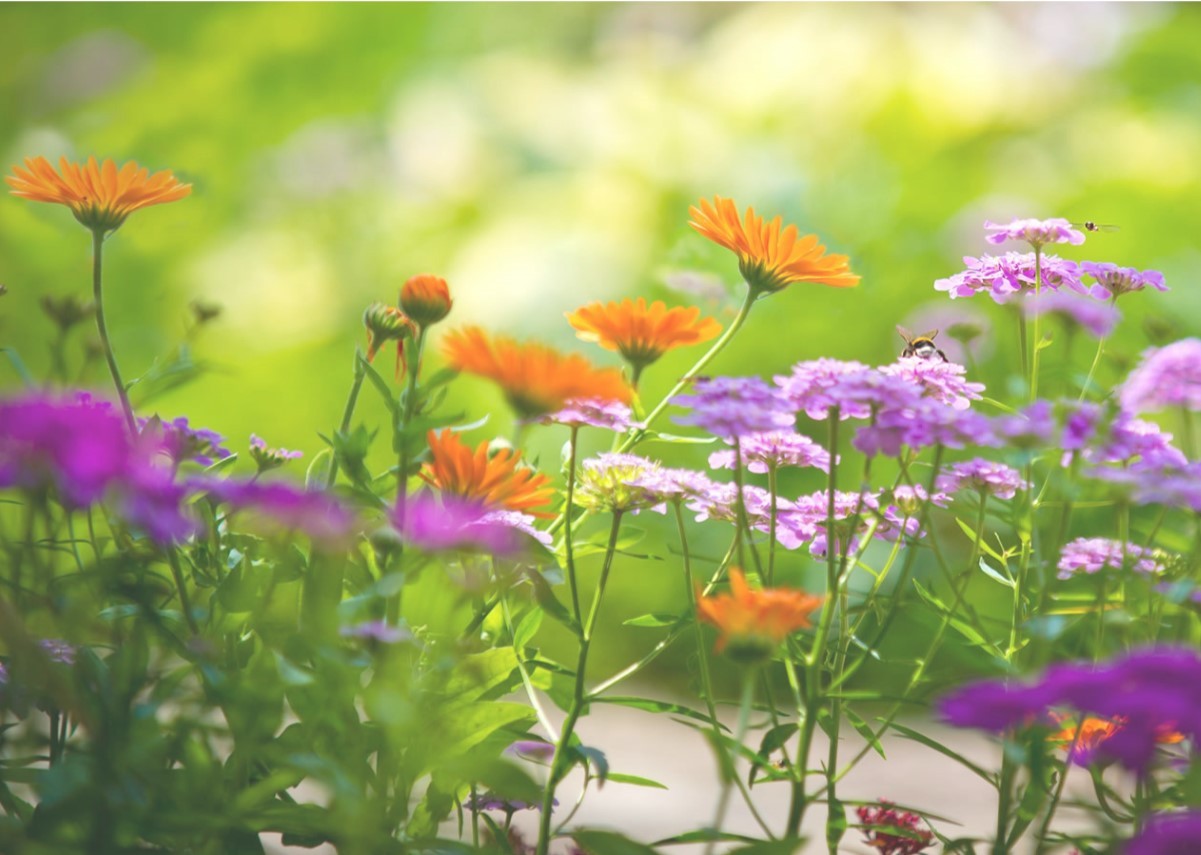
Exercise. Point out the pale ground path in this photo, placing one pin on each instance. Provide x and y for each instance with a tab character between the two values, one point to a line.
653	746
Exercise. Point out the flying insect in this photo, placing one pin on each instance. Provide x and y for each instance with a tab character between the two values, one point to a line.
1090	226
921	346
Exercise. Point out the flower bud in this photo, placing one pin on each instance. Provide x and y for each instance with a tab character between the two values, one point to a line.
425	299
385	323
67	311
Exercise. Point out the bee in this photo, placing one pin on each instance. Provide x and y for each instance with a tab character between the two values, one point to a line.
922	346
1090	226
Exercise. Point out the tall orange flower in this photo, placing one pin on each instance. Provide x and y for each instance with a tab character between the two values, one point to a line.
100	195
639	332
753	623
536	379
496	480
770	256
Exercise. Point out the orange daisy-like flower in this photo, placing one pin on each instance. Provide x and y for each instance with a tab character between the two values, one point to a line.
769	256
425	299
536	379
1094	731
496	480
639	332
753	623
100	195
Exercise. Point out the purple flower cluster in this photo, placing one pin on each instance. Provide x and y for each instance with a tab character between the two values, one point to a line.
1098	318
1034	232
1152	691
376	632
814	388
325	519
1003	276
764	451
923	423
808	518
1091	554
982	476
720	502
731	407
1168	834
592	412
446	523
1117	281
943	381
270	458
183	442
1133	443
1166	377
1033	426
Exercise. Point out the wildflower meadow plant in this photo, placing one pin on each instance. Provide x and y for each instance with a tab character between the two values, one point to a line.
393	650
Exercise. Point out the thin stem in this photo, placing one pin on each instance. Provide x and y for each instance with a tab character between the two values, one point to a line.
744	523
744	717
558	767
185	603
1038	286
568	539
348	411
102	328
773	489
406	411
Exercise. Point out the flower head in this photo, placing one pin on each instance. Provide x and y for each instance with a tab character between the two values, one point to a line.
425	299
1084	739
1116	281
770	256
1030	427
810	388
376	632
1034	232
386	323
100	195
183	442
732	407
593	412
1097	317
448	523
1166	377
641	333
1091	554
278	506
1168	834
496	480
270	458
1003	276
535	379
943	381
614	482
771	450
752	623
893	832
985	476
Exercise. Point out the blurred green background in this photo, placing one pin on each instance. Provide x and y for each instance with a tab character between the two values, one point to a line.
542	156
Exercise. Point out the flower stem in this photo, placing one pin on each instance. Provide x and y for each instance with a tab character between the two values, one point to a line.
569	509
558	767
744	718
102	328
1038	285
352	401
181	584
408	406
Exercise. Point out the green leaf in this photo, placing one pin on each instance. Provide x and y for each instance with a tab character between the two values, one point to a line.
770	847
704	835
654	706
635	780
996	575
549	602
596	760
654	436
596	842
19	366
935	745
459	729
527	628
979	540
653	620
381	385
865	730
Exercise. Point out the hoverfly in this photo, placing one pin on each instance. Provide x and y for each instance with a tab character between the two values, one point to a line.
922	346
1090	226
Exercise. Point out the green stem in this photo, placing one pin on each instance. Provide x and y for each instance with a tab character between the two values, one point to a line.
181	585
744	523
348	411
744	718
1038	286
568	539
558	766
102	328
1023	344
407	409
773	488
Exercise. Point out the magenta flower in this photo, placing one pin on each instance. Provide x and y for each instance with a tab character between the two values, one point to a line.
270	458
1097	317
516	520
943	381
57	650
1001	277
1116	281
376	632
923	424
810	388
720	503
731	407
1133	443
1031	427
1091	554
893	832
662	485
1168	834
1166	377
1034	232
983	476
592	412
446	523
808	518
325	519
764	451
183	442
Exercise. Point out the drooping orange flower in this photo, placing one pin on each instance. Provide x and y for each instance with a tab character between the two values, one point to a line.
494	479
770	256
536	379
639	332
1094	731
753	623
100	195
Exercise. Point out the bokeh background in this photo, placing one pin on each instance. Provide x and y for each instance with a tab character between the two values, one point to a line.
542	156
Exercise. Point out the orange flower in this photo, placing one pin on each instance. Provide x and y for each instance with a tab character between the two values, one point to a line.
496	480
536	379
769	257
425	299
100	195
1094	731
753	623
640	333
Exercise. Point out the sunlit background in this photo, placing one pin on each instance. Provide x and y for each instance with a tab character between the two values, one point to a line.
542	156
